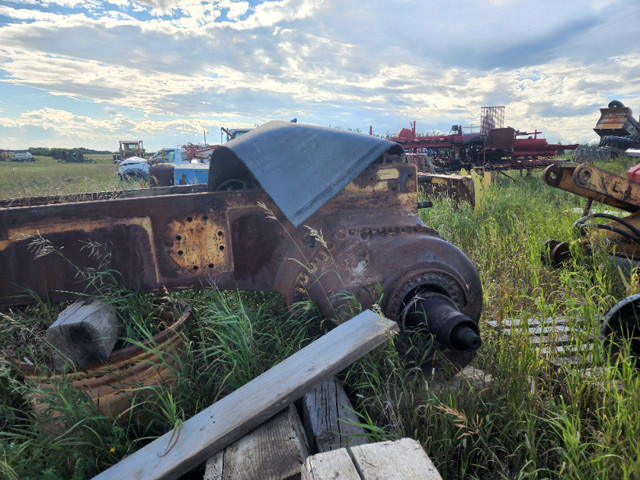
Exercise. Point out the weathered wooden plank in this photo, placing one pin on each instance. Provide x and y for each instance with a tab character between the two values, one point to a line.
275	450
531	322
230	418
332	465
566	350
401	460
535	330
329	418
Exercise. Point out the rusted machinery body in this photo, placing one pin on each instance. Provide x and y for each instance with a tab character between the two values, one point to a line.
363	244
620	235
616	120
499	148
596	184
131	148
457	187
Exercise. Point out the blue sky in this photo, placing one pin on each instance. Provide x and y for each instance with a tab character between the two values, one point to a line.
89	73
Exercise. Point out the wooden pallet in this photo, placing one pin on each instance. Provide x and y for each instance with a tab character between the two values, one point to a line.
554	338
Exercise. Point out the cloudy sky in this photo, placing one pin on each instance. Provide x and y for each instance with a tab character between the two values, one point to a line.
88	73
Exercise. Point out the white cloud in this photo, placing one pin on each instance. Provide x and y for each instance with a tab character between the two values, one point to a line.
385	63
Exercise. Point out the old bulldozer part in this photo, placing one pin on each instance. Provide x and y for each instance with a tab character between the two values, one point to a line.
456	187
443	319
597	184
582	180
622	324
608	185
315	213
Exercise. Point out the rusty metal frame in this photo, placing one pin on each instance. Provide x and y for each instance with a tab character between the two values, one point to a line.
365	245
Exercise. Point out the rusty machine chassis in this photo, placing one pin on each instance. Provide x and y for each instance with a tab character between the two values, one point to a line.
363	245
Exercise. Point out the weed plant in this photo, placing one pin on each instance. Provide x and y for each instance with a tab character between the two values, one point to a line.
537	417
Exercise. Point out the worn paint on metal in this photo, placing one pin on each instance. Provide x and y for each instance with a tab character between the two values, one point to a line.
562	177
457	187
365	245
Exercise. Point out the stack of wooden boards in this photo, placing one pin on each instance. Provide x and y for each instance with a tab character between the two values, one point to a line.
231	435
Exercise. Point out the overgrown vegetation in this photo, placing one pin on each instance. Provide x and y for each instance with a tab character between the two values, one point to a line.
532	420
48	176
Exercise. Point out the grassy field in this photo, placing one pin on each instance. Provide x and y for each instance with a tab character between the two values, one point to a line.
48	176
533	420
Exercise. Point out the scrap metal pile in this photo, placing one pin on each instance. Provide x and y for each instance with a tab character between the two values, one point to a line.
619	133
497	148
310	212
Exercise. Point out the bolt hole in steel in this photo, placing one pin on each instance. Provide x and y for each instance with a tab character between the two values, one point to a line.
221	247
189	219
210	265
178	237
220	233
180	252
195	268
205	217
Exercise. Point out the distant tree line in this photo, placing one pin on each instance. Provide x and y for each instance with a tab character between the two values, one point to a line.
59	152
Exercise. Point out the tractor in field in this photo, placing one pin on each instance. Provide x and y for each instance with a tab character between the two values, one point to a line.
127	149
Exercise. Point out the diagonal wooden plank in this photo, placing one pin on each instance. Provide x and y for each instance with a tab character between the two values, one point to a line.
230	418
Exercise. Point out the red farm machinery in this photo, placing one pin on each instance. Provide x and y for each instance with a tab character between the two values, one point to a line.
492	147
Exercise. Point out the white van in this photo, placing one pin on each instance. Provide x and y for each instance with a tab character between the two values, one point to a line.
23	156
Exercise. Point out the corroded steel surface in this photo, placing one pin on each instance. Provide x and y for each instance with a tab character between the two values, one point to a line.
616	120
597	184
365	245
562	177
608	185
457	187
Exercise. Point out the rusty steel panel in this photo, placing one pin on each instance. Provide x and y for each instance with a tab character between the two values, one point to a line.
609	185
500	139
365	245
616	121
562	177
198	242
456	187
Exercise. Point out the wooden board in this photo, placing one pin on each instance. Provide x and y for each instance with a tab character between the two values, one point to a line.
329	418
554	338
400	460
227	420
275	450
332	465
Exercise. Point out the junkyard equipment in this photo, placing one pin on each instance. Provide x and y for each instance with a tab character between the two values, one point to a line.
23	156
618	132
620	235
131	148
492	147
310	212
72	156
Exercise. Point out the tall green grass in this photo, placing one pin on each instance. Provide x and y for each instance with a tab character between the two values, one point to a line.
532	420
48	176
